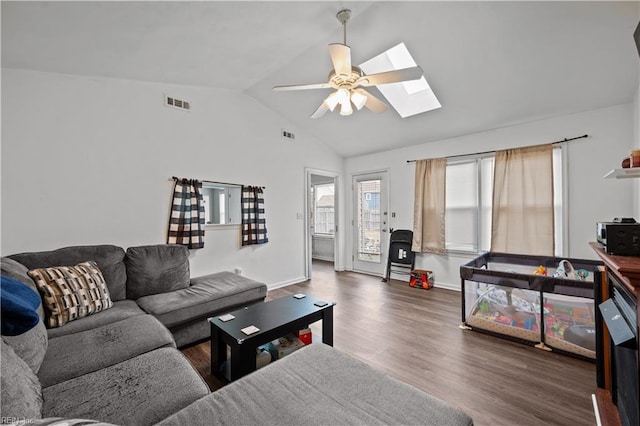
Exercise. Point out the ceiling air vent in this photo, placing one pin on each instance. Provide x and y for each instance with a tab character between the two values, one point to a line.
177	103
288	135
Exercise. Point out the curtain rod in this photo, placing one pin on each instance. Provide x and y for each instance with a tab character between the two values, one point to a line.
489	152
219	183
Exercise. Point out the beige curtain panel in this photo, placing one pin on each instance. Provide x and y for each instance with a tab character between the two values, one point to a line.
428	210
522	218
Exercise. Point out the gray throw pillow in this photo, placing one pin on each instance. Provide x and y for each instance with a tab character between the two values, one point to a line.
156	269
21	393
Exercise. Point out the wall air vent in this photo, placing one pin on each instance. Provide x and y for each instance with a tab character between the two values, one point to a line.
177	103
288	135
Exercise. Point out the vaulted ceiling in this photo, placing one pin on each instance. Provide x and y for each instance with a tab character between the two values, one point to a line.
491	64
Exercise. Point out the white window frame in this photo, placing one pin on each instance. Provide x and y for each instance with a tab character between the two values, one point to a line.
228	204
314	213
475	158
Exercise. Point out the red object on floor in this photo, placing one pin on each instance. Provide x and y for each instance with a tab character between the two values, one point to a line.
421	279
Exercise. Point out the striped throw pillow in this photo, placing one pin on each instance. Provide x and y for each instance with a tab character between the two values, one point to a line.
71	292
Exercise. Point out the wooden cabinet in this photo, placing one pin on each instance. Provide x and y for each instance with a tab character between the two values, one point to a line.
622	282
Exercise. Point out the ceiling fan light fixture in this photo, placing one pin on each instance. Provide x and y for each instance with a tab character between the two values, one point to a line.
345	108
332	101
358	100
349	82
342	95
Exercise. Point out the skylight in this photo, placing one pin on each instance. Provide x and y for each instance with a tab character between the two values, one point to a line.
408	97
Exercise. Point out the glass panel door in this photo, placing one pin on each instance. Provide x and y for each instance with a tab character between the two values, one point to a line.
370	223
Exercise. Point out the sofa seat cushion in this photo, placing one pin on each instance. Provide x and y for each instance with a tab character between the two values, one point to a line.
73	355
21	393
140	391
319	385
156	269
206	295
71	292
120	310
110	260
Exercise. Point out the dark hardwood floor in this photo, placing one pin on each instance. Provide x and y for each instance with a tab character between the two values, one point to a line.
413	335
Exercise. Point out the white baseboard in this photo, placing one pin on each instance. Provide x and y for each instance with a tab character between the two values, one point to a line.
286	283
325	258
299	280
454	287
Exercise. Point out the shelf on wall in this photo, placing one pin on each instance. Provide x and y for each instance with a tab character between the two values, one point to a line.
623	173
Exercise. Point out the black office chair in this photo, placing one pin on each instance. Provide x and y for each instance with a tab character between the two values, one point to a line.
400	255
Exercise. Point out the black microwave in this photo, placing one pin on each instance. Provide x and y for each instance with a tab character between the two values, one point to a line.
620	237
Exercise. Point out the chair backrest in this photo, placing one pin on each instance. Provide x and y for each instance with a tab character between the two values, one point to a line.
400	247
401	235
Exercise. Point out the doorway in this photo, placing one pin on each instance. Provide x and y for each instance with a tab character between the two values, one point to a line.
321	218
370	224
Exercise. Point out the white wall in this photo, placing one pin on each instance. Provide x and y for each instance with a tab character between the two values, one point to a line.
322	247
89	161
591	198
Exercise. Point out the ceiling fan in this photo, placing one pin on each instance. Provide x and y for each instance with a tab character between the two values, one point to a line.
348	80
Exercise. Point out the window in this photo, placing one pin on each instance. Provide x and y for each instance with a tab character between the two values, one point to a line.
407	97
323	209
469	184
468	195
221	203
558	198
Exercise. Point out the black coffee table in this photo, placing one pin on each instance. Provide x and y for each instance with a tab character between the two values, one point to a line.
275	319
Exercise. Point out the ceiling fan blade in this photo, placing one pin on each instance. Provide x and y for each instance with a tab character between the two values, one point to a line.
405	74
373	103
302	87
341	58
322	110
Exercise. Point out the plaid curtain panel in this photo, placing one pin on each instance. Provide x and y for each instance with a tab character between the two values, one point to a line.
254	224
186	224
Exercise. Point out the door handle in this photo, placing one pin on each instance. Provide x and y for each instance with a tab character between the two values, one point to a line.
384	229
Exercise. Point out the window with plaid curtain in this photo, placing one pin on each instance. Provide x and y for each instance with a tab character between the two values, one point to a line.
254	226
186	224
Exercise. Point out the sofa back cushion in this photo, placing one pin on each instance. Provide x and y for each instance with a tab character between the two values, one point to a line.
21	393
110	260
156	269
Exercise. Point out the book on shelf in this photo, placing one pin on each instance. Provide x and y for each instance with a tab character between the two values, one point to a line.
285	345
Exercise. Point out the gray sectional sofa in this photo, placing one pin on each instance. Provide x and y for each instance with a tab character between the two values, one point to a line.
152	279
121	366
